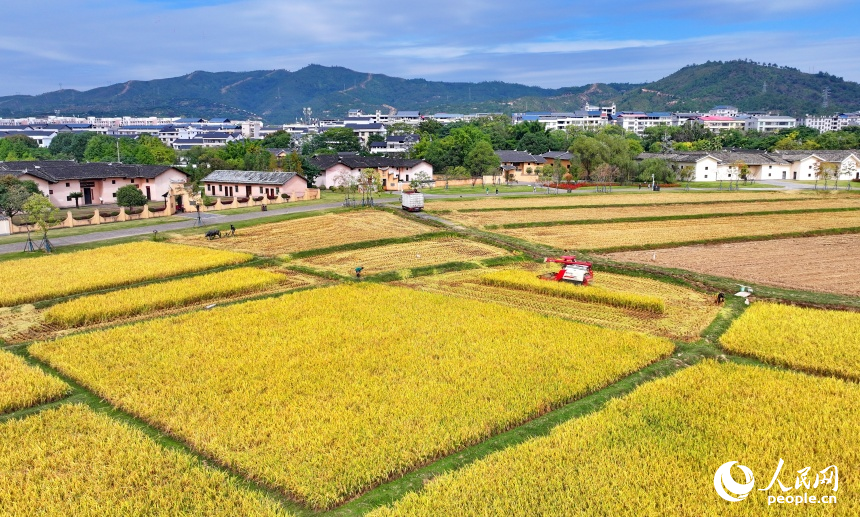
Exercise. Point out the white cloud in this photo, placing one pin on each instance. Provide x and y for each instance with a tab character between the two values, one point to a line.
572	46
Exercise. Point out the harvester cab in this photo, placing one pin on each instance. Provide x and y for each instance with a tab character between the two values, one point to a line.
573	271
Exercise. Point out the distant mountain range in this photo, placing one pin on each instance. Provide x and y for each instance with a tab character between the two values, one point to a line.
278	96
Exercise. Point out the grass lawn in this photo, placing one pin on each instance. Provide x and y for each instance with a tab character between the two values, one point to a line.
82	230
716	184
477	189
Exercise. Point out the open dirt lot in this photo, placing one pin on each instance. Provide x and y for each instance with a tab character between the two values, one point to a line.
825	264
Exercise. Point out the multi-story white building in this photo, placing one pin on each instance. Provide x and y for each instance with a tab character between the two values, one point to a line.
724	111
769	123
638	121
594	119
609	111
395	144
718	123
830	122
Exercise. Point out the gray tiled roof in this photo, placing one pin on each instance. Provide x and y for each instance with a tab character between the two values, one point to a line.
557	155
828	156
518	157
250	177
749	157
353	161
57	170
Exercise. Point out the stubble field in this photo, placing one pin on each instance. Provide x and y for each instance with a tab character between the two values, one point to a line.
824	264
657	234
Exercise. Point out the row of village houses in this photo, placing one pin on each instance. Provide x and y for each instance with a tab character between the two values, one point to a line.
185	133
98	182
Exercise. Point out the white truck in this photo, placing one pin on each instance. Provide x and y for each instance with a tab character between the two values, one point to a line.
412	201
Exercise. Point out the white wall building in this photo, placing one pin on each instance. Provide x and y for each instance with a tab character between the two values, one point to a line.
769	123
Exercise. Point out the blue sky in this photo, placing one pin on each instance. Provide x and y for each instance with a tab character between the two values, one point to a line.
91	43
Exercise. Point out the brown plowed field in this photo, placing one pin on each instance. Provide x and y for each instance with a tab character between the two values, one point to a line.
826	264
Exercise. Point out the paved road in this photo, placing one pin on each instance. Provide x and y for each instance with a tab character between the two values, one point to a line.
212	218
207	218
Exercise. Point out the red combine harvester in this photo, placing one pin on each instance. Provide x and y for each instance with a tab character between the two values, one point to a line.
574	271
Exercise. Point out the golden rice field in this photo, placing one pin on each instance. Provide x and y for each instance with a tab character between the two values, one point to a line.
51	276
100	308
326	393
404	256
74	461
687	312
671	233
501	217
527	281
619	198
814	340
22	385
655	452
315	232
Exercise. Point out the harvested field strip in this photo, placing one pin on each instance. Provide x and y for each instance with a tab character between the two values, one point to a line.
819	341
646	453
309	233
101	308
404	256
753	262
338	391
643	198
22	385
674	217
651	234
29	280
527	281
686	315
800	197
74	461
18	320
525	218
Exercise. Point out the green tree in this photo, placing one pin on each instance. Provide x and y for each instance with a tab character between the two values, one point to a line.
310	171
534	143
431	127
14	193
400	129
149	150
443	153
41	212
19	147
659	168
101	148
280	139
686	175
591	152
559	140
70	145
293	163
482	160
130	196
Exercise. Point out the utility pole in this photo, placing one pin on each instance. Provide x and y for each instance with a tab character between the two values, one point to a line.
118	160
